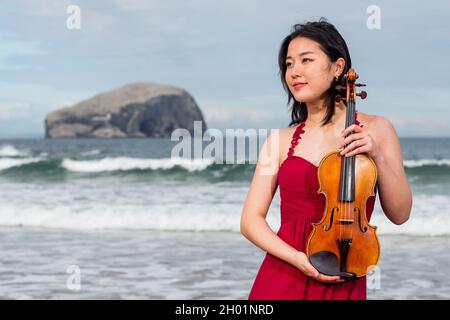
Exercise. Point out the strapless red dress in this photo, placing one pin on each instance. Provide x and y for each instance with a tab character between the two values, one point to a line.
301	205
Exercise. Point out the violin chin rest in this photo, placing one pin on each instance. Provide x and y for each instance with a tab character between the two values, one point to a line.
326	262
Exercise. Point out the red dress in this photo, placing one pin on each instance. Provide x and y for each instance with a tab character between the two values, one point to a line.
301	205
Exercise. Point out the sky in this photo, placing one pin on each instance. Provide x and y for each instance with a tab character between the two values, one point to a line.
224	53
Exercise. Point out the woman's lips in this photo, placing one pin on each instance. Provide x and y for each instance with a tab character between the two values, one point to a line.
299	85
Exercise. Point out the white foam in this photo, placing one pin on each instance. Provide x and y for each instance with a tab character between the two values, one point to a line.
91	152
217	207
6	163
126	163
10	151
192	218
430	216
426	162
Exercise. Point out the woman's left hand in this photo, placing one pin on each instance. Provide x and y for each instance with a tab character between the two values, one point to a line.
359	142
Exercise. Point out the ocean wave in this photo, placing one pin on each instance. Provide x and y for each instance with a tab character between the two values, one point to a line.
430	216
426	162
8	163
209	166
10	151
91	152
106	164
178	168
125	164
103	216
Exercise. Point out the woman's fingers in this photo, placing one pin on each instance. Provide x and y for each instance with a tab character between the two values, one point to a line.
312	272
353	127
307	268
350	138
352	146
325	278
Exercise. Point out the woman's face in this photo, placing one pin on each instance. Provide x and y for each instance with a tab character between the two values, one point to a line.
310	67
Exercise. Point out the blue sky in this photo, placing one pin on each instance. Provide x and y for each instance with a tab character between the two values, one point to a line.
224	53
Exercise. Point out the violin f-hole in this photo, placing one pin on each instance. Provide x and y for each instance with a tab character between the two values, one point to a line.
363	229
331	220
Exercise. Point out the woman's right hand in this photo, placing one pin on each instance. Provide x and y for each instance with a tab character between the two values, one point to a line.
302	263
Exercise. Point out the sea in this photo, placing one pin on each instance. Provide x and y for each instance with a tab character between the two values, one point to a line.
124	219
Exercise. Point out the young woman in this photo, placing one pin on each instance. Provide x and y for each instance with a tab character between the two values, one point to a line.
312	60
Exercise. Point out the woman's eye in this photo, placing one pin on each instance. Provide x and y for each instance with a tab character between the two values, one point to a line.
288	64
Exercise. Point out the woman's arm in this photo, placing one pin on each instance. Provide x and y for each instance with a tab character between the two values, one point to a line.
253	219
394	191
262	189
384	148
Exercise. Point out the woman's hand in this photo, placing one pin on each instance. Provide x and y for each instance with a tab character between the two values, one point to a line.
359	142
302	263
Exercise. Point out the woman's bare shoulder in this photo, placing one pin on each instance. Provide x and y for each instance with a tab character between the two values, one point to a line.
378	125
373	120
286	135
284	141
366	119
280	138
288	131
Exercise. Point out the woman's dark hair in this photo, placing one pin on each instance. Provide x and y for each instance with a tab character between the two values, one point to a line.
334	46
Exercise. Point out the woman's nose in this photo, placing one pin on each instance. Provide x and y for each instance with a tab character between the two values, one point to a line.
295	75
296	72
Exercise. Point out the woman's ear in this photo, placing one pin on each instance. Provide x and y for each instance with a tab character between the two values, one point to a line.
339	66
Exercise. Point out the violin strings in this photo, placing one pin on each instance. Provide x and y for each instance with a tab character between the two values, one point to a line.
353	160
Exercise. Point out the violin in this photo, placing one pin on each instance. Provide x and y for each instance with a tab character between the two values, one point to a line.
343	243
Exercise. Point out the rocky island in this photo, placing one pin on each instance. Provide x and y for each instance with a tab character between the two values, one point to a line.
134	110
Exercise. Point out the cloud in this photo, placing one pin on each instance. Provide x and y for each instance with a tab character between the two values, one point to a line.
50	8
10	110
219	115
228	118
223	52
12	49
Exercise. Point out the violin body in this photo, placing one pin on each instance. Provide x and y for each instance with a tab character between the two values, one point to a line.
343	243
344	229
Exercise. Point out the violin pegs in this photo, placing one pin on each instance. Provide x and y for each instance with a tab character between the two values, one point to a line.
360	85
363	95
339	87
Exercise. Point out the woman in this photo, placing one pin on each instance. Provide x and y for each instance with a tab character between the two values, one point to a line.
312	60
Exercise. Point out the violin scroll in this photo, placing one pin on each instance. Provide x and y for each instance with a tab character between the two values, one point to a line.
349	89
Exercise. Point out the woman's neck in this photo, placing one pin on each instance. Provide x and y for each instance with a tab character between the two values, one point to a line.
317	111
